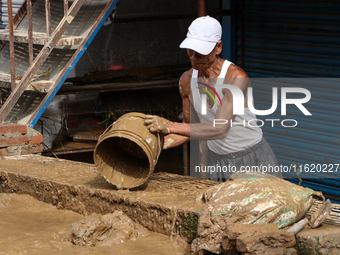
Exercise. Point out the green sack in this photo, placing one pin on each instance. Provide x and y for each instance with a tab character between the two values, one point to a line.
251	198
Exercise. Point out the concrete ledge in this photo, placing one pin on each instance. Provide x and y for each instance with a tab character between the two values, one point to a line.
324	240
168	204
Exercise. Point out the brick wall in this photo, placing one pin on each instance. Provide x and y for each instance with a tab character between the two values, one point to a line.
19	140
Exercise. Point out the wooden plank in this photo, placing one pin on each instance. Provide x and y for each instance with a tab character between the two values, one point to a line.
105	87
65	7
48	18
40	85
69	147
92	136
30	32
11	44
39	38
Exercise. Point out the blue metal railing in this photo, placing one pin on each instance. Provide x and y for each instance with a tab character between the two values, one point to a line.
2	26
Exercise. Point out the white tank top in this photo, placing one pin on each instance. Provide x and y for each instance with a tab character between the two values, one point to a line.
241	135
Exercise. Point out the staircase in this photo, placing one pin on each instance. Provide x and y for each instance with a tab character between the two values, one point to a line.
39	49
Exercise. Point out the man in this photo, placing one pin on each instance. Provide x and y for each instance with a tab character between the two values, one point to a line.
229	144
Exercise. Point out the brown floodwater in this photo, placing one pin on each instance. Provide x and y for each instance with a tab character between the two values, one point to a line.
28	226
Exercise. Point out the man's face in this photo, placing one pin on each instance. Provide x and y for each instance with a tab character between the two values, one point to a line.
201	62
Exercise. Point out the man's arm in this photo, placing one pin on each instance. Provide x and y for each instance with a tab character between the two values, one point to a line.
173	139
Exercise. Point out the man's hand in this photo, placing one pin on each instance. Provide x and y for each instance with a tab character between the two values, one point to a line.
156	124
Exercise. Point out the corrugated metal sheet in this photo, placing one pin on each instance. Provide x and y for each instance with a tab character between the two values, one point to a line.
16	4
297	39
291	38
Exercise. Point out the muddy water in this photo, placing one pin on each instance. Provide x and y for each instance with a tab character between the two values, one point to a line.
28	226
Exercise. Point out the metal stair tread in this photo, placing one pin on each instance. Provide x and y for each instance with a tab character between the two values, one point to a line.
39	38
38	85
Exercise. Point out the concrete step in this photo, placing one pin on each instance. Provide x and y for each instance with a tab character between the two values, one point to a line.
167	204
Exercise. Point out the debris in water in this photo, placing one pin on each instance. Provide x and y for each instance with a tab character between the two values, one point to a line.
104	230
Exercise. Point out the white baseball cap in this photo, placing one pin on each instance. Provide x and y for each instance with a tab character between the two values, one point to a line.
203	34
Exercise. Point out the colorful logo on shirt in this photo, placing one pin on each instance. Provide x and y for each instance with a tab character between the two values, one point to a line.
212	89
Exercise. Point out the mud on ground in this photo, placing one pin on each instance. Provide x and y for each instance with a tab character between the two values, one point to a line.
28	226
168	204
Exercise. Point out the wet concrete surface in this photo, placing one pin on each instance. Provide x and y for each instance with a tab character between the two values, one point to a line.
28	226
162	205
